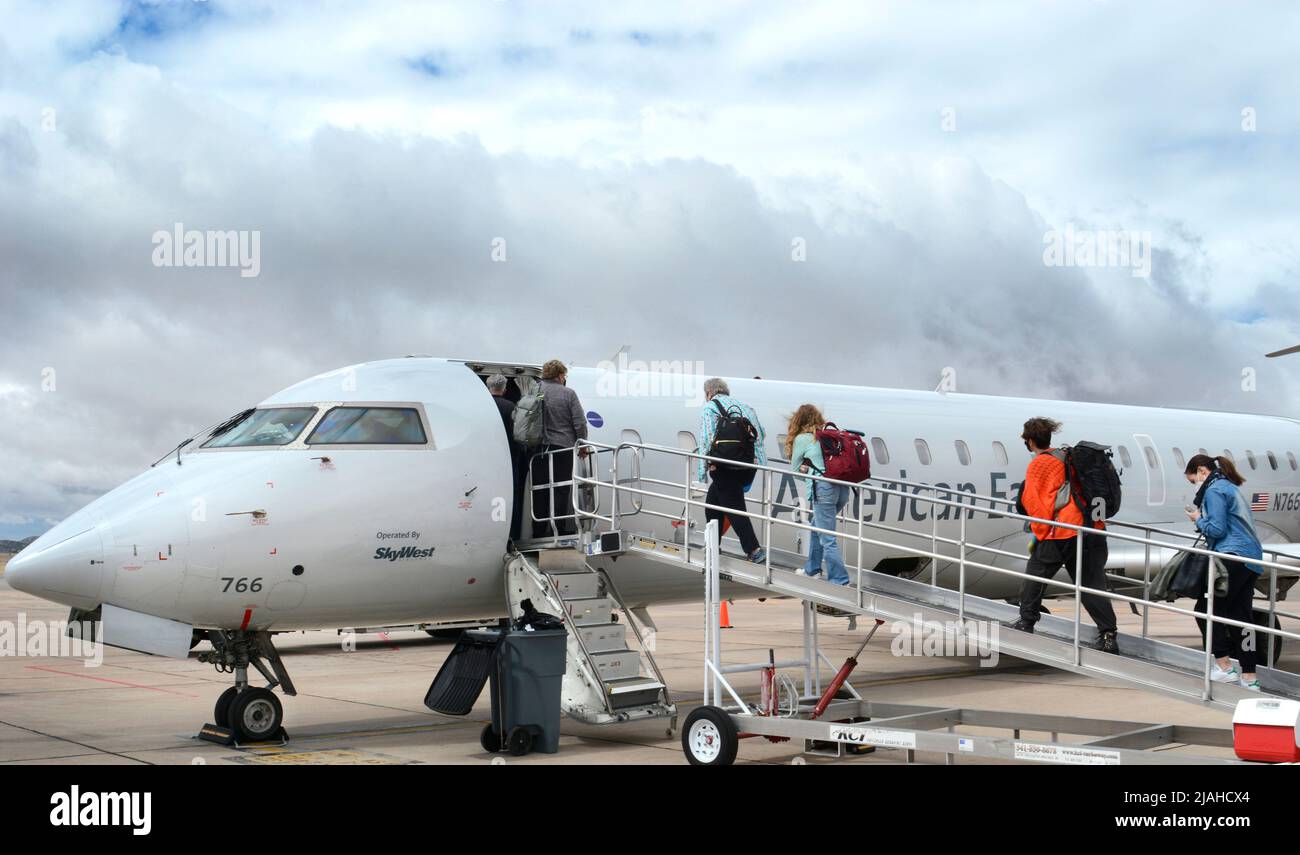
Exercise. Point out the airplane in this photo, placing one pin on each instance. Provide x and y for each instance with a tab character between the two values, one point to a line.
379	494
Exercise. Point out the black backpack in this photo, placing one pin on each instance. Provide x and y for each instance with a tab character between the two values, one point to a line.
1092	475
734	438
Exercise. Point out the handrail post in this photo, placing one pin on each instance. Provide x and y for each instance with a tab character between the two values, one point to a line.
961	572
613	499
1272	611
767	524
1209	627
1078	592
860	545
1146	587
686	515
934	541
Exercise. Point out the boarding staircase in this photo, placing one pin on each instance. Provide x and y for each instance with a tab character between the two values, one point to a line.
610	677
1059	642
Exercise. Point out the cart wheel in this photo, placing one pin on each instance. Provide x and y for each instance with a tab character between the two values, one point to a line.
709	738
520	741
489	740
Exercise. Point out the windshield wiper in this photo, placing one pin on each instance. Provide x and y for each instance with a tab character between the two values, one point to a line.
231	422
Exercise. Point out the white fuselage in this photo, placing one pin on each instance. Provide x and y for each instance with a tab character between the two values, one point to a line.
278	538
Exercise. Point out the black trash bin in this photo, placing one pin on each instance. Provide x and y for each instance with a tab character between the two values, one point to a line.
525	686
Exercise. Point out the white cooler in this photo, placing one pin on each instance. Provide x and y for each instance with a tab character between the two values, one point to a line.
1267	730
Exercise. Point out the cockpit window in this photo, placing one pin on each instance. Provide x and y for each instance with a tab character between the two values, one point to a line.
265	427
369	426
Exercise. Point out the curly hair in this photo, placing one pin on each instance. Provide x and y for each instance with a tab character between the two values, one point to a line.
554	370
806	419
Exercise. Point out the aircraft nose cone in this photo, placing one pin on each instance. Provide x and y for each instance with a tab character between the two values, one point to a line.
66	567
18	572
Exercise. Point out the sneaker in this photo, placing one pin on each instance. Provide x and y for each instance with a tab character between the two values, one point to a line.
1020	625
1221	675
758	556
1252	686
804	571
1107	643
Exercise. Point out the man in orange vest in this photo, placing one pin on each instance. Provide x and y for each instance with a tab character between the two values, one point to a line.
1047	494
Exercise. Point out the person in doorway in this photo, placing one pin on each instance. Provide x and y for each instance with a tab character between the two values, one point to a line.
565	422
1222	514
498	384
730	429
826	500
1048	495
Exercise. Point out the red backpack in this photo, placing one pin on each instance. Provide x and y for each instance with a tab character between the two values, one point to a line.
845	454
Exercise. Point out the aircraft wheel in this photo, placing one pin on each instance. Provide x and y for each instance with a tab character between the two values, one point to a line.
709	738
489	740
256	714
520	741
221	712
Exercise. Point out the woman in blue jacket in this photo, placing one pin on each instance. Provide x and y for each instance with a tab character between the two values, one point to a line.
1224	517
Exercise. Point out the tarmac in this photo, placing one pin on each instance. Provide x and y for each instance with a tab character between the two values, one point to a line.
365	706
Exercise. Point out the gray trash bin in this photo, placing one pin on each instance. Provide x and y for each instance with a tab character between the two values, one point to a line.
525	687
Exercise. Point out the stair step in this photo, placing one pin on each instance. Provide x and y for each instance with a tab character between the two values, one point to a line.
616	664
577	586
590	611
603	637
633	692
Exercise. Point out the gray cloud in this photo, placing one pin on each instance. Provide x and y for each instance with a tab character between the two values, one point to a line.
376	241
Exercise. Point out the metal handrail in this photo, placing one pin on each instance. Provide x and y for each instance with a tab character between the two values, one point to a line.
963	561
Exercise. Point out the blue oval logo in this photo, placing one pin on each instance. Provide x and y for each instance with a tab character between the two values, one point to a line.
594	419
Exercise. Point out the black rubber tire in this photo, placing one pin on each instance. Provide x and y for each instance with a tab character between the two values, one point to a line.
256	715
221	711
1260	617
715	732
520	741
489	740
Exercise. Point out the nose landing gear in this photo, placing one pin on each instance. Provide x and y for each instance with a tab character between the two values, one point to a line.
247	713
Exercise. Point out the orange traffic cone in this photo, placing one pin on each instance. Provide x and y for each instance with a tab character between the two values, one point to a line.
724	619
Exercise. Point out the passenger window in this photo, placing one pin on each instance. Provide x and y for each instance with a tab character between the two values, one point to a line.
1291	459
369	426
881	450
265	427
1150	454
963	452
1127	459
1227	452
1272	461
1000	453
1179	459
923	452
1203	451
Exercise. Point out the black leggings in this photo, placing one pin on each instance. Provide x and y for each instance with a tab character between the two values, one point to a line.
1238	604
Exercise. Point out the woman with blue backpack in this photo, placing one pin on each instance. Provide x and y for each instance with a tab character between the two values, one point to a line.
1223	516
827	500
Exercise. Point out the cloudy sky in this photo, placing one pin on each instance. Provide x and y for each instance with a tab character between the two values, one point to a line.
650	168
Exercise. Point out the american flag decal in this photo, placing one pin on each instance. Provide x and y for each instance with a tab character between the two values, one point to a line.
1259	502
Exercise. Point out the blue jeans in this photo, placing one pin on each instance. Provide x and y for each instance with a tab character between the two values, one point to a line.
828	499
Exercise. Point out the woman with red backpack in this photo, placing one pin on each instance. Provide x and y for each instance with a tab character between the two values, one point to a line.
827	500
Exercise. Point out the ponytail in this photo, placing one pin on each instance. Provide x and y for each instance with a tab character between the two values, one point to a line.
1229	470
